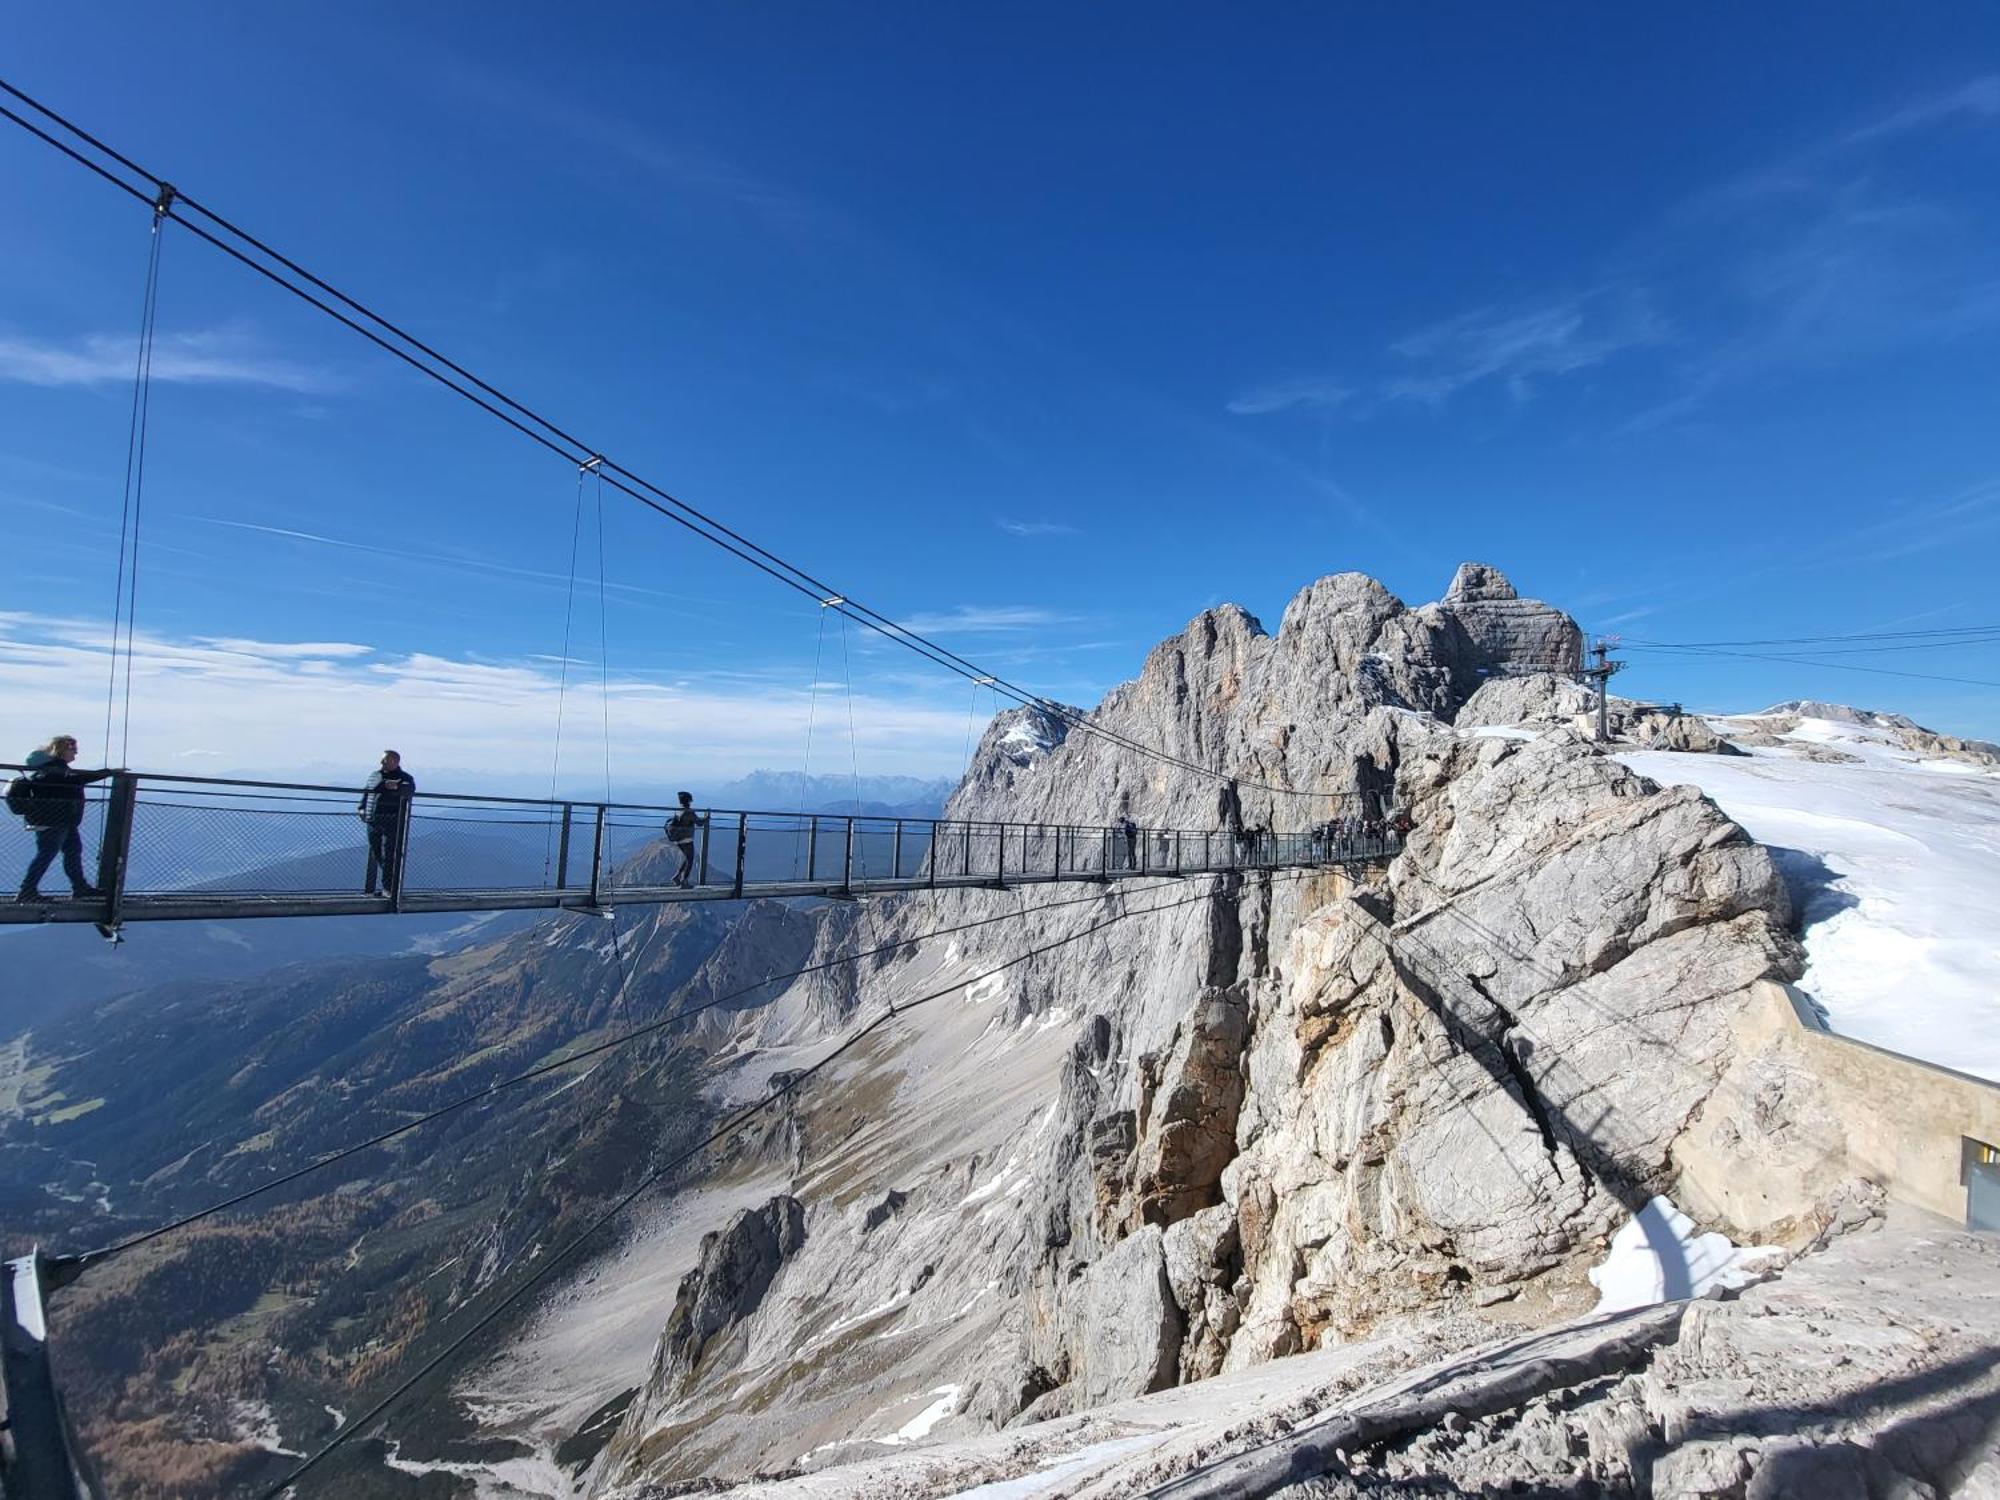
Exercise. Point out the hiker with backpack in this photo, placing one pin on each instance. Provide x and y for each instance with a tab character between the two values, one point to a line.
49	799
680	833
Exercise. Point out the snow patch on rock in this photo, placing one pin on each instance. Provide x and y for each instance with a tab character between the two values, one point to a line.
1660	1256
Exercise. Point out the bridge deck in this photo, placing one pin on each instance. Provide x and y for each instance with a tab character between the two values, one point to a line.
194	849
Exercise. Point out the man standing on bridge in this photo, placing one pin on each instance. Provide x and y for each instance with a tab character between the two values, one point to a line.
385	808
680	833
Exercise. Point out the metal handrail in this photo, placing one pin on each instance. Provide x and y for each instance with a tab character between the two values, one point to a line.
174	831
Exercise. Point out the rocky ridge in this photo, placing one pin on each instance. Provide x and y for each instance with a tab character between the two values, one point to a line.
1277	1114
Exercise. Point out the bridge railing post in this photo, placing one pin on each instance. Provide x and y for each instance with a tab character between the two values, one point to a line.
597	858
812	847
706	820
114	849
965	850
936	849
847	862
742	843
399	857
1000	854
896	853
562	848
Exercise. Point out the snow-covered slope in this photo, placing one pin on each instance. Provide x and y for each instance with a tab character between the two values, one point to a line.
1895	863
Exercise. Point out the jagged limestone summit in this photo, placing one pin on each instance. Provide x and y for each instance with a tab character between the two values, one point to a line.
1294	1115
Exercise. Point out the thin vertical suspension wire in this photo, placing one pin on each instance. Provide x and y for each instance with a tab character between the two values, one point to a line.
853	745
562	689
971	711
604	696
135	463
603	638
812	713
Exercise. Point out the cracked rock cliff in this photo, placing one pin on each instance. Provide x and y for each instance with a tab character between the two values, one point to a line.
1254	1116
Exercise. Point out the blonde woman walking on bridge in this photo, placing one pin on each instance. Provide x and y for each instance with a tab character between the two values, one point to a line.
52	791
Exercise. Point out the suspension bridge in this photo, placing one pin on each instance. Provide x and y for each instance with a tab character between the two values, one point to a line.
178	848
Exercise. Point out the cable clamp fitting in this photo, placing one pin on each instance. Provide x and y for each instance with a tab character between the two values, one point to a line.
163	201
596	460
831	600
984	681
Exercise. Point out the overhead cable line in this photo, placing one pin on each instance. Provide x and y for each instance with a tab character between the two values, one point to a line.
791	1084
1816	640
90	1258
395	340
1808	661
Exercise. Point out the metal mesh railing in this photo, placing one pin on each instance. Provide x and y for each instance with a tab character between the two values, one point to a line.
182	845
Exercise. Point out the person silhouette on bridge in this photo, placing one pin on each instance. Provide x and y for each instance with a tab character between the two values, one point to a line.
55	816
680	833
385	808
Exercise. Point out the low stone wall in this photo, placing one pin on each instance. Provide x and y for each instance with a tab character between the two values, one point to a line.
1830	1107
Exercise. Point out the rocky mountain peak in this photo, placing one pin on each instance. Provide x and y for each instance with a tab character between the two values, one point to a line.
1477	581
1285	1115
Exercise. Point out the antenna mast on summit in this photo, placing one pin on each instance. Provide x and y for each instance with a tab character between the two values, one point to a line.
1600	675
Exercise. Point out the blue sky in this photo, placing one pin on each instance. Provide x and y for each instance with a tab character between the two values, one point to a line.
1041	327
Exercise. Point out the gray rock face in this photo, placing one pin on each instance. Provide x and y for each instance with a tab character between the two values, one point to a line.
1273	1115
1539	700
1865	1370
1479	583
737	1265
1839	713
1130	1324
1188	1103
1658	729
1505	634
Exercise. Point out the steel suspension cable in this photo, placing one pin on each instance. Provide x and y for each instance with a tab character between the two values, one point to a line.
1809	661
603	639
135	468
812	712
853	743
562	684
541	430
791	1085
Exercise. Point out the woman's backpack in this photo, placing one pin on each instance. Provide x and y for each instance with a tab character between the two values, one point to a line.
21	796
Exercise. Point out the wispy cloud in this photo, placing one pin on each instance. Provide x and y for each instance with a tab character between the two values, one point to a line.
283	706
1516	348
1978	100
972	619
1519	347
1832	253
1036	528
681	165
1626	617
218	356
1311	392
284	650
